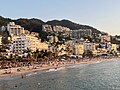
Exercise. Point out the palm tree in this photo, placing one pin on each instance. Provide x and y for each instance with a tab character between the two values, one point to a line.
35	54
68	49
88	53
28	51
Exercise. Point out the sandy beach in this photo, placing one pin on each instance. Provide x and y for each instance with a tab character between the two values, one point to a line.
47	66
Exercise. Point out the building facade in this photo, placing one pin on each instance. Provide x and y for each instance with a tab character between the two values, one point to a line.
79	48
19	44
14	30
78	34
36	43
89	46
24	42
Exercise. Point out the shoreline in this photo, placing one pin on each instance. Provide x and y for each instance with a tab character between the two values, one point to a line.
26	69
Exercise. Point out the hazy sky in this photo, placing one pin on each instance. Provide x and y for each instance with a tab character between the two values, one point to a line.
101	14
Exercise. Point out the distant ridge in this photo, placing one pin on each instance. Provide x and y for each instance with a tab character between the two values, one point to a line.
35	25
71	25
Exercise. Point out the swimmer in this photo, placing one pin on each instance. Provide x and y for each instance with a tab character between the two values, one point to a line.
38	83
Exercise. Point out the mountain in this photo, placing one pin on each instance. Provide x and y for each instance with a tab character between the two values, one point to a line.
71	25
35	25
4	21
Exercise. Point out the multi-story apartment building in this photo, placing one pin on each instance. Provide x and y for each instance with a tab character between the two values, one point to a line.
24	42
15	30
53	39
3	28
105	38
35	43
49	28
89	46
23	39
60	29
78	34
76	47
79	49
19	44
42	46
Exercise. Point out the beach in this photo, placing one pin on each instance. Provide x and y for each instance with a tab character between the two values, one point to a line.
96	75
48	65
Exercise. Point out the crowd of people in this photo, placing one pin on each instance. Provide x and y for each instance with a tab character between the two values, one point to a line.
22	67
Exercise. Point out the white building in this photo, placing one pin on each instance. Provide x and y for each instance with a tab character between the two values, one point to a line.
89	46
3	28
56	28
78	34
24	42
19	44
14	30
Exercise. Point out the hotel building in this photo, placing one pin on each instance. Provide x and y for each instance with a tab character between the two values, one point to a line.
23	39
24	42
14	30
78	34
19	44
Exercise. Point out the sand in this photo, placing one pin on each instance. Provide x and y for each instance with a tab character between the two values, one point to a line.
36	67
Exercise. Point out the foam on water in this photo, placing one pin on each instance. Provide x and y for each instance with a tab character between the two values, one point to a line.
51	70
31	74
98	62
55	69
60	68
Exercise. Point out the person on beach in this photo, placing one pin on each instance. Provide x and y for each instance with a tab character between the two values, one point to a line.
23	76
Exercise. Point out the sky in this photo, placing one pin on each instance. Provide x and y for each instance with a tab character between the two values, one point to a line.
101	14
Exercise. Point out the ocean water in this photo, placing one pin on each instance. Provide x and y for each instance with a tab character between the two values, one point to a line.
103	75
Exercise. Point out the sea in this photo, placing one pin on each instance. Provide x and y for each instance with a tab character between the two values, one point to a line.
100	75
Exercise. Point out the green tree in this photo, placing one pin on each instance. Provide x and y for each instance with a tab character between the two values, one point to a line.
88	53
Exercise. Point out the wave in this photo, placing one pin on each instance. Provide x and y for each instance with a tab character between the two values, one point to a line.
31	74
98	62
55	69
